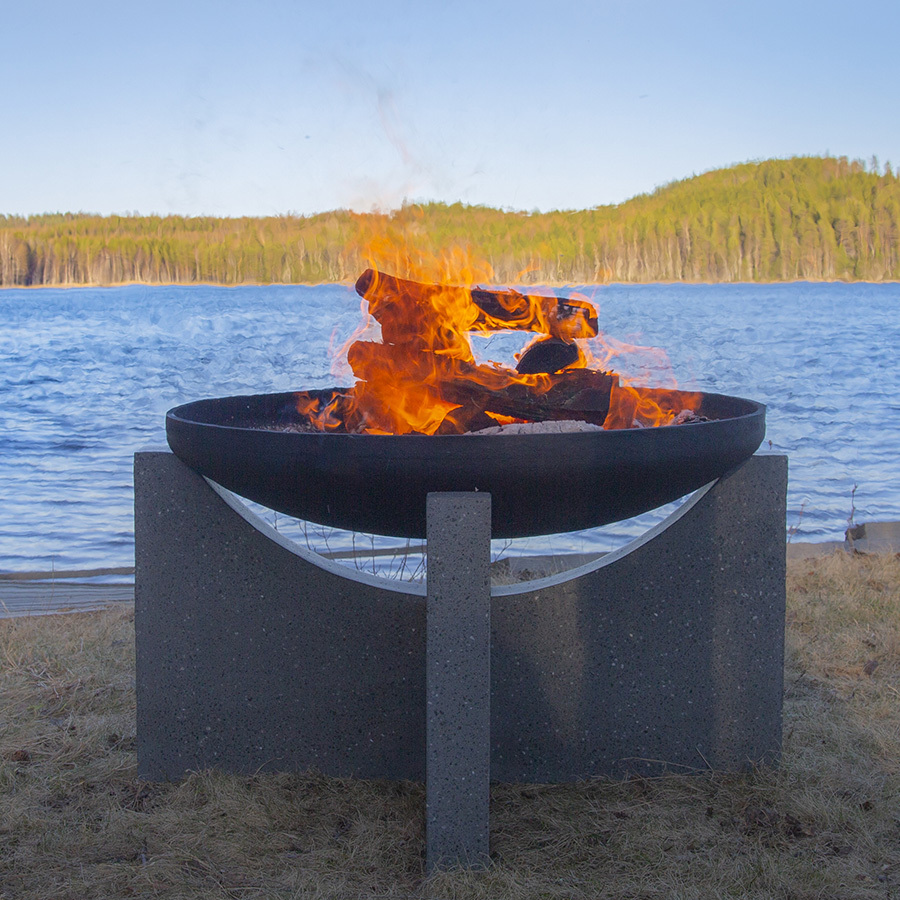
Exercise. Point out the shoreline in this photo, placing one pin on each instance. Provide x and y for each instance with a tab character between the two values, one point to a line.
349	282
24	594
868	537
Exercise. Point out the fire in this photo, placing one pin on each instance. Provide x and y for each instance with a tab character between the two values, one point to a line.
421	376
641	407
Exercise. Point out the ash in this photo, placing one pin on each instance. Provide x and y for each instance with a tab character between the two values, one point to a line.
688	417
554	426
551	426
290	427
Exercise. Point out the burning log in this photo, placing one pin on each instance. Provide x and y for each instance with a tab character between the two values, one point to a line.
564	319
463	392
577	394
403	307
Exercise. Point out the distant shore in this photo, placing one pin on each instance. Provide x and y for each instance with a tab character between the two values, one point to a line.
349	282
781	220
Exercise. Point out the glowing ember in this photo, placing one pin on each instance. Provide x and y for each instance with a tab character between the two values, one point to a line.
421	377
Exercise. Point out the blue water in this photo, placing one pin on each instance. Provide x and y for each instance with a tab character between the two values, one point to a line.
86	376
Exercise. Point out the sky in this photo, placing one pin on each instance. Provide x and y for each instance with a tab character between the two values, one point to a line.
271	107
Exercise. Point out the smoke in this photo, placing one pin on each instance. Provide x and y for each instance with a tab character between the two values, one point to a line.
397	164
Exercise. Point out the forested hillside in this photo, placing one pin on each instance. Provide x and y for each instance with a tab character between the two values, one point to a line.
802	218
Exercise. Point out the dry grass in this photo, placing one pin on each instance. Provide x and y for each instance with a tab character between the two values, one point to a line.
75	822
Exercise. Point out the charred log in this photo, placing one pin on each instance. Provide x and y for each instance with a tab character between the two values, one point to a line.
548	356
464	419
579	394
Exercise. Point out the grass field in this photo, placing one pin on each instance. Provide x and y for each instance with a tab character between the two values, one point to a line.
75	821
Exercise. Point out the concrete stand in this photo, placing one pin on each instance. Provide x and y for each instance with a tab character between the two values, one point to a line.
255	655
458	680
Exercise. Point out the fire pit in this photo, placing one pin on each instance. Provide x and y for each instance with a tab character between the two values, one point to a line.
539	483
364	458
467	681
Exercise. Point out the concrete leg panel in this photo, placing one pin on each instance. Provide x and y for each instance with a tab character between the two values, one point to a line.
458	680
250	657
667	656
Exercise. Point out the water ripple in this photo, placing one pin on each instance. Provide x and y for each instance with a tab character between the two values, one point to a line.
88	374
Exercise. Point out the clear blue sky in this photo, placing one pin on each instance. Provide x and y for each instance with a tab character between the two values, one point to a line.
268	106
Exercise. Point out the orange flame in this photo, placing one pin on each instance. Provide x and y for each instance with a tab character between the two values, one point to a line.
633	405
324	417
421	376
639	407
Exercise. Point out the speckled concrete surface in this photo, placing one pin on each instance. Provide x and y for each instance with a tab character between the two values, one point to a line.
255	655
458	680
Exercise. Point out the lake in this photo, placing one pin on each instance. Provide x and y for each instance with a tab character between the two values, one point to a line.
87	375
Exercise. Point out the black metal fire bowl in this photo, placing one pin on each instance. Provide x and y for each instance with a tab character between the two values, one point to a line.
539	483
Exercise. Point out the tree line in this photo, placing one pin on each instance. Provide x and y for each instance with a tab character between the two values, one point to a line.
804	218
